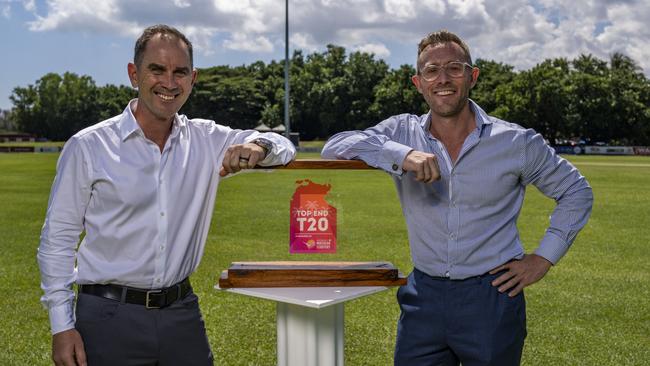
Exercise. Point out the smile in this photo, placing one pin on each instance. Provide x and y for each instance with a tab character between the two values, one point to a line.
444	92
165	97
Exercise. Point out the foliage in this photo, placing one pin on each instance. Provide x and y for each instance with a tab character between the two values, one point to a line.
395	95
590	309
57	106
537	99
492	75
333	90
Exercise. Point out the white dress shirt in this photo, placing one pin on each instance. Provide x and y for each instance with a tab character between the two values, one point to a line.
145	214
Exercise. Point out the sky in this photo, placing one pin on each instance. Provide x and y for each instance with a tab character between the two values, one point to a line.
96	37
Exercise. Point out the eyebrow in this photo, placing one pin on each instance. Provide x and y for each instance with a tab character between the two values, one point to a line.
157	67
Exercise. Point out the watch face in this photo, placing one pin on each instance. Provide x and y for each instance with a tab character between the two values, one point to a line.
264	145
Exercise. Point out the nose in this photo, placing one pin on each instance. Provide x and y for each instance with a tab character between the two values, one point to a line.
168	80
443	77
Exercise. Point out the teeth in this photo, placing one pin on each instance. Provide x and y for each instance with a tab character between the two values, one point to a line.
165	97
445	92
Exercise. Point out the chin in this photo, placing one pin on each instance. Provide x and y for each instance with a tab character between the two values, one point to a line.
447	110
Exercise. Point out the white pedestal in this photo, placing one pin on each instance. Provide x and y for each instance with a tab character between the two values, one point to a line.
310	321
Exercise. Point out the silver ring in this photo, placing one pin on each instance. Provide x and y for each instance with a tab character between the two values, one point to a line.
241	158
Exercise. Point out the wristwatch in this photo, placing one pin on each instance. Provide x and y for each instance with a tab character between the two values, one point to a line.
265	144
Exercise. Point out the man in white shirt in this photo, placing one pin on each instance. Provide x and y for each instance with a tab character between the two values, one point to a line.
141	186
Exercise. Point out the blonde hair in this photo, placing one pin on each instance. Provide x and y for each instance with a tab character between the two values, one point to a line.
443	36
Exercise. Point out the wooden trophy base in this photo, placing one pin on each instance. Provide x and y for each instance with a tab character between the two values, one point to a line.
310	274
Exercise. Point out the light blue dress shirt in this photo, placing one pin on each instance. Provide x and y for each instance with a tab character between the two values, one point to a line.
465	224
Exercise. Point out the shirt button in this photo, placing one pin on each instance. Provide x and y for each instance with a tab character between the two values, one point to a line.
158	280
395	167
452	236
162	214
453	203
162	247
447	274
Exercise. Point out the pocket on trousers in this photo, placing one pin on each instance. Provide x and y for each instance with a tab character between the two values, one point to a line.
191	301
407	293
93	309
516	306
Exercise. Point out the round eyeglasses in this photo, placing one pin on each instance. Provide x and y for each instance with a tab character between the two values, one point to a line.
454	69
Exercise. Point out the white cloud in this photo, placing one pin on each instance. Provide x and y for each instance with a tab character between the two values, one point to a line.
303	41
5	6
242	42
5	10
518	32
380	50
401	9
29	5
182	3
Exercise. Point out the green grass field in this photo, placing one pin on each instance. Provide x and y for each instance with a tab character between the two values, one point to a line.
591	309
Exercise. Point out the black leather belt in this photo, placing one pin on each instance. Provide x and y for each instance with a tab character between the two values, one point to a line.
151	299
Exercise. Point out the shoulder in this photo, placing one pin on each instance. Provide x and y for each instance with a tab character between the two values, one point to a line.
203	125
404	122
406	119
100	130
501	128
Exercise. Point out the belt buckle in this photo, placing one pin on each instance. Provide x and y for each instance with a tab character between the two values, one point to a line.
146	303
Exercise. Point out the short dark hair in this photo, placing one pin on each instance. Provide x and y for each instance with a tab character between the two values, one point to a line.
150	32
443	36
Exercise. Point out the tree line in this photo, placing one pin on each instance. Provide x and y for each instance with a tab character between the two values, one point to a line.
332	91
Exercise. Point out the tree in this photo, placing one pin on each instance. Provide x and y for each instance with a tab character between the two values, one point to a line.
630	102
332	91
56	106
229	96
396	94
538	99
319	94
492	75
112	99
6	122
362	75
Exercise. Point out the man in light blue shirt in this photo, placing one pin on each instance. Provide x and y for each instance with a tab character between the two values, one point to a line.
461	176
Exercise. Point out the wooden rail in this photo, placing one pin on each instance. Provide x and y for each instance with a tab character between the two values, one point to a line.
320	164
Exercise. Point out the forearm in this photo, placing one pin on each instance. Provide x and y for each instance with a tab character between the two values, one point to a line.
56	265
568	218
376	150
282	150
60	234
558	179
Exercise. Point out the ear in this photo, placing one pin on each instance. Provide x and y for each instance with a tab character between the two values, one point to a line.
133	74
416	81
195	74
475	73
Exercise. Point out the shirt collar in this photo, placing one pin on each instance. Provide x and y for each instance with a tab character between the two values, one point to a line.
481	118
129	125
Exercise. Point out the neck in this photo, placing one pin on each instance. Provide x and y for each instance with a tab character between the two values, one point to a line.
453	128
154	128
452	131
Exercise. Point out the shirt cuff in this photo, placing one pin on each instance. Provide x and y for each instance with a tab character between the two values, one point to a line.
392	156
552	247
61	318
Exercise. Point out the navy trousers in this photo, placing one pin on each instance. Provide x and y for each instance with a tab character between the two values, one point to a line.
122	334
447	322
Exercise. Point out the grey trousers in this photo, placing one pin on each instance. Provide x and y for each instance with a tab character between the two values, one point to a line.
125	334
